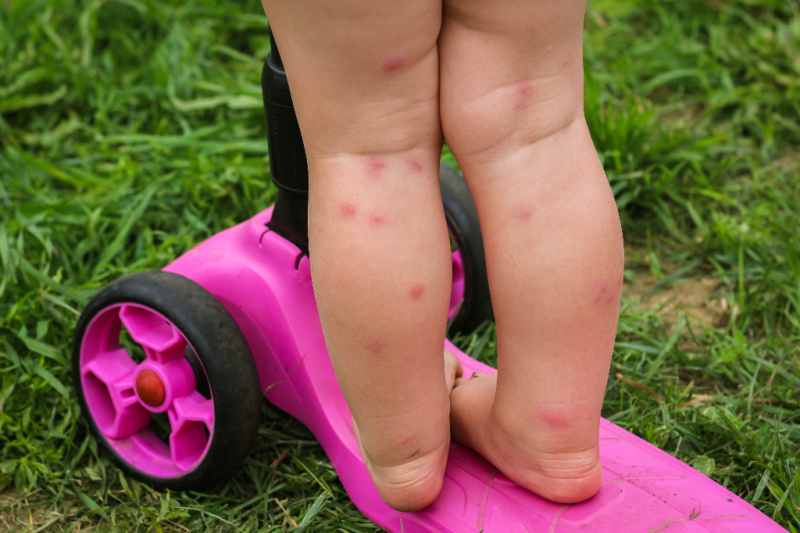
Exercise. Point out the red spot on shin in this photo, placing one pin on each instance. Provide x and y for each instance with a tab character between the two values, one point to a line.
375	166
393	64
522	94
375	346
522	212
416	291
376	220
347	210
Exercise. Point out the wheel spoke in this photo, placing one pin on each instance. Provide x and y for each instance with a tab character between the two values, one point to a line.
109	390
196	408
161	340
192	421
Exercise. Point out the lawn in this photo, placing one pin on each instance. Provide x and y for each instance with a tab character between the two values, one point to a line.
131	130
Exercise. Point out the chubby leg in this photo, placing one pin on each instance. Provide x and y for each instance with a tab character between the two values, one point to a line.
512	112
364	79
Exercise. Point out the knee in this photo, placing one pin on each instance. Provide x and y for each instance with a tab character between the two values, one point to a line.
510	116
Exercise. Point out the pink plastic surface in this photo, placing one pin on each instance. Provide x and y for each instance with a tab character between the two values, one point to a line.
108	375
459	284
265	283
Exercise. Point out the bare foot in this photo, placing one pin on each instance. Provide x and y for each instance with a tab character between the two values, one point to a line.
552	460
409	482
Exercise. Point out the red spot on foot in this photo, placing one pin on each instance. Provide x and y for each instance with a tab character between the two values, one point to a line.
522	94
347	210
150	388
393	64
415	165
416	291
376	220
375	166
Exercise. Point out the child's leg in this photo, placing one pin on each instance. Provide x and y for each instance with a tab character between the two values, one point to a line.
364	78
512	112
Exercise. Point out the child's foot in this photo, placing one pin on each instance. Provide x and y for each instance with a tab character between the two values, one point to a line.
411	481
554	459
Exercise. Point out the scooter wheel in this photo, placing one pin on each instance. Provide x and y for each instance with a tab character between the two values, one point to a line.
166	381
470	302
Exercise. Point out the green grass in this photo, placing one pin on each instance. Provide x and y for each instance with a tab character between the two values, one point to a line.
132	129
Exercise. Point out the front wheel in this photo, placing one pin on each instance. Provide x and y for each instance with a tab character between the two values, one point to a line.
166	381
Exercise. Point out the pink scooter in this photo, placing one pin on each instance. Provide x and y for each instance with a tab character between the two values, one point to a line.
170	366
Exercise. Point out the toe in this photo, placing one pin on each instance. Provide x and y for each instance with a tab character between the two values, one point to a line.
452	369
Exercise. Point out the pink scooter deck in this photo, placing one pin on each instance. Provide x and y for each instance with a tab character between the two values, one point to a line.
265	283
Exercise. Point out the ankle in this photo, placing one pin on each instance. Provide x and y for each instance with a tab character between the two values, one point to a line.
549	426
559	461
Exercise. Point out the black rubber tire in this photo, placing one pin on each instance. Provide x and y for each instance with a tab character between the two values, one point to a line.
226	359
462	220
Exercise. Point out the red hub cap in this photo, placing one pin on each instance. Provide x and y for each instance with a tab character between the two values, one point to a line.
150	388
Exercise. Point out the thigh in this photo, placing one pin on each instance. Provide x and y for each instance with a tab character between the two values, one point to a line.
363	73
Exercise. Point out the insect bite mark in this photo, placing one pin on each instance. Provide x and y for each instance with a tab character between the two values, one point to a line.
375	346
522	212
347	210
416	291
393	64
522	94
604	294
555	418
376	220
414	164
375	166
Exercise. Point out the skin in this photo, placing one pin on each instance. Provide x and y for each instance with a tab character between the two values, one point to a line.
503	82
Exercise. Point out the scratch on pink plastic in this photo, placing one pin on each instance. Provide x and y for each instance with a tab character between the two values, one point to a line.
689	518
631	478
557	517
485	499
269	387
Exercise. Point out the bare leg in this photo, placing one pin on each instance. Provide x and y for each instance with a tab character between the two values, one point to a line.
512	112
366	93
